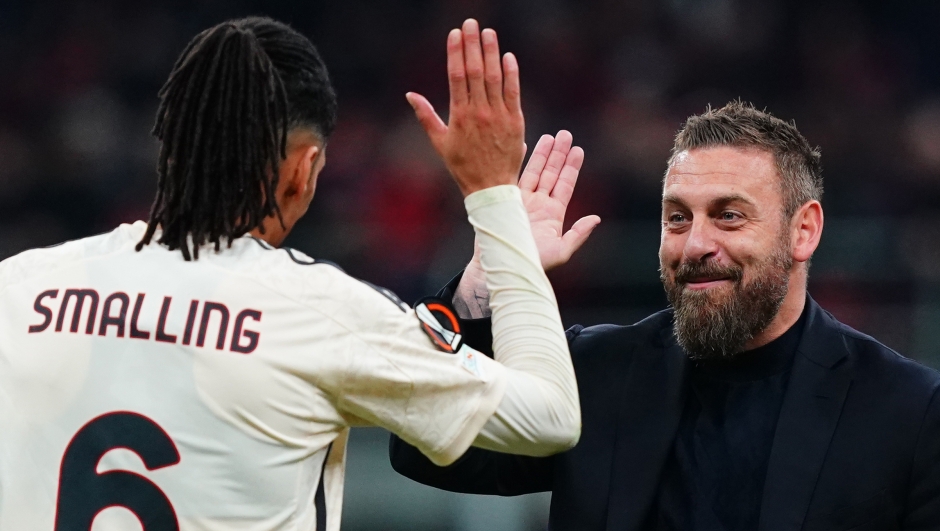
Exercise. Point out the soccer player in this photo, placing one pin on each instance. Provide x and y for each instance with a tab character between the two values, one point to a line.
186	374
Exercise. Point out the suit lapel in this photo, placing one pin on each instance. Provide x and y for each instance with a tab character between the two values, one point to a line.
654	396
819	383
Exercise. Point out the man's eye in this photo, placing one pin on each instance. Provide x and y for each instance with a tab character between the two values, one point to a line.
676	218
730	216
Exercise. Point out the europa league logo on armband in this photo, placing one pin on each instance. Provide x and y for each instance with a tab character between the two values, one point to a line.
440	323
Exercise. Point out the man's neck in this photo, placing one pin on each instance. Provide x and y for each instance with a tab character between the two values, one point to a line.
786	317
273	234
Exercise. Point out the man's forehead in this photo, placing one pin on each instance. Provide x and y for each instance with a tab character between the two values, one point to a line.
746	170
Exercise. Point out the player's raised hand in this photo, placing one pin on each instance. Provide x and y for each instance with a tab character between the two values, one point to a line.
547	184
482	145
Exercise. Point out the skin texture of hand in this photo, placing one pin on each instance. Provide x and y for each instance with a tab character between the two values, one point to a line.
482	145
547	184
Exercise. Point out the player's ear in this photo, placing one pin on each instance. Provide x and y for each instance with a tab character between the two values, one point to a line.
315	158
298	169
305	167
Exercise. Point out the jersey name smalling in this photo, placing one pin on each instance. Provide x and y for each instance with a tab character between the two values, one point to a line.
117	315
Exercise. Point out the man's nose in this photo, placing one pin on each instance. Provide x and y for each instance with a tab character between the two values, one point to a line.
701	243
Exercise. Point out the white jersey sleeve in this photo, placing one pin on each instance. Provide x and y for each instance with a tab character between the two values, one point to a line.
540	412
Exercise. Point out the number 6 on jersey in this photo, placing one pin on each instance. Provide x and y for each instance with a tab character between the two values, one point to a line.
83	492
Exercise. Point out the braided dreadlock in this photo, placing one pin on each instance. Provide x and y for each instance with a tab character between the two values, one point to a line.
232	96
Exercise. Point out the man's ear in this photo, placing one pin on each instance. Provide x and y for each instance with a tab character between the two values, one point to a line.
807	230
301	163
310	163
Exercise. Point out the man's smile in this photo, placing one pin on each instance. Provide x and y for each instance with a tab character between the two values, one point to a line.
702	283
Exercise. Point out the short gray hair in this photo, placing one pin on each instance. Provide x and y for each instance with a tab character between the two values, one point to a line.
740	124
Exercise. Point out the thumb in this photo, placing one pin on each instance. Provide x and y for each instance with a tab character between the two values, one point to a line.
578	234
430	121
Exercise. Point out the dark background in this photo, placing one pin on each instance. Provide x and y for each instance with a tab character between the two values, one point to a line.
78	83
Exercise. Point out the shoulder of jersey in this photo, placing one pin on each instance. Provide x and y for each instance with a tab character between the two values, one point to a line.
35	262
341	281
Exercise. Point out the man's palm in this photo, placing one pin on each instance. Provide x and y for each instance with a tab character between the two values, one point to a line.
547	184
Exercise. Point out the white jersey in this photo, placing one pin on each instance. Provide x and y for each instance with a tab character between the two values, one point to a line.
208	395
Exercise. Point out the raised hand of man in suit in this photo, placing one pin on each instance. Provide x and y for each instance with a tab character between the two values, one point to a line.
547	184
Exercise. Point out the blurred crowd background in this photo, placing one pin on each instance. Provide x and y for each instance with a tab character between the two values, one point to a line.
78	84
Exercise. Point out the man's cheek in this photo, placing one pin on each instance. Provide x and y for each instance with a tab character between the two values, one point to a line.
668	275
669	262
671	246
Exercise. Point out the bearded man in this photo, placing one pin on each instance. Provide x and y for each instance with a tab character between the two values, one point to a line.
745	406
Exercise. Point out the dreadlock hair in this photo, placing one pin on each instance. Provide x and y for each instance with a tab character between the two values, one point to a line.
225	111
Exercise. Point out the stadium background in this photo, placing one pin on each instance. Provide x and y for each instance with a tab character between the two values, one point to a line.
78	83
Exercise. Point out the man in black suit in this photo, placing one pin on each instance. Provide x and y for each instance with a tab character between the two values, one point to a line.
745	405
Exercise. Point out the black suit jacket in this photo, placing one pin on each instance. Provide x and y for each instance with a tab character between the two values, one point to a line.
857	444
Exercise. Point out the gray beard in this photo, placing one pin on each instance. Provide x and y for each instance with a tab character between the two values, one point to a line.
718	325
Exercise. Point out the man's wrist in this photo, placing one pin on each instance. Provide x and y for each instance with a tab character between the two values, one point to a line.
472	298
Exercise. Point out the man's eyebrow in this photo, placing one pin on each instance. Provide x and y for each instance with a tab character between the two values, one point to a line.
671	198
731	198
723	200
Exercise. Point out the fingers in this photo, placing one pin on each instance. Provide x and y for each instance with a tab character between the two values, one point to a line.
555	162
578	234
477	73
493	68
511	90
430	121
529	180
568	177
456	68
473	57
477	146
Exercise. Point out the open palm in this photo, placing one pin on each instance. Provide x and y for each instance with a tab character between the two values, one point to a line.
547	183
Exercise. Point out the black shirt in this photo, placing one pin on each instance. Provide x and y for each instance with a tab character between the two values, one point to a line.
713	479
